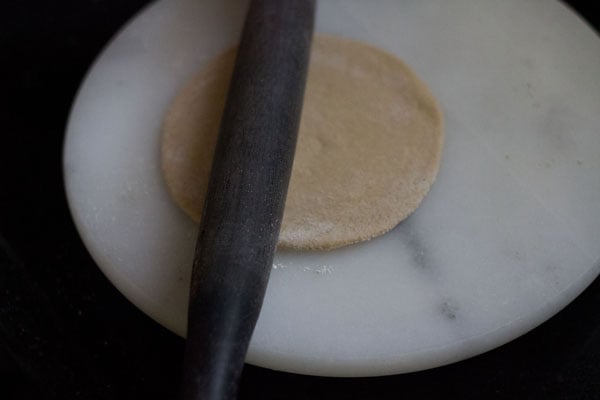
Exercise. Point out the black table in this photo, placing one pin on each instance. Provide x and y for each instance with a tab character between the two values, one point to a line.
67	333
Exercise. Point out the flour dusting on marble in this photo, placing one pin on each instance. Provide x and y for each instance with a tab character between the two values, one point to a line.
321	269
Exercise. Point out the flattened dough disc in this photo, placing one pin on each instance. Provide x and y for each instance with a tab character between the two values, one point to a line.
368	149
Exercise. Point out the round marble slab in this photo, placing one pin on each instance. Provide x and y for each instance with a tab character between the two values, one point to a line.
507	236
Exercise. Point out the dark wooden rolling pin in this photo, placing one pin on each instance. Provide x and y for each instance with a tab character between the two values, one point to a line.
246	194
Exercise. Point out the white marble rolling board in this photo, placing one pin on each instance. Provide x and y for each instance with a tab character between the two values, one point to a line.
508	235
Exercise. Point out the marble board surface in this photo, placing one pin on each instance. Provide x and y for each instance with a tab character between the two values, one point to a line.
507	236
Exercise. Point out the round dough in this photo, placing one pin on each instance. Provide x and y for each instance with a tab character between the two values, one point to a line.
369	144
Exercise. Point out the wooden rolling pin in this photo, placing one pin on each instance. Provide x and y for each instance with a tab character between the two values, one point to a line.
246	194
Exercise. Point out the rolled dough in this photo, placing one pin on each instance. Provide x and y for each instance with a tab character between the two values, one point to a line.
369	145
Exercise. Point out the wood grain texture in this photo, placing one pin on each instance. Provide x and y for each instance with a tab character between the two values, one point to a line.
246	194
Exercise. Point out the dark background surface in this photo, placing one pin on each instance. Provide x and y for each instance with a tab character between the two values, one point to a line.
67	333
